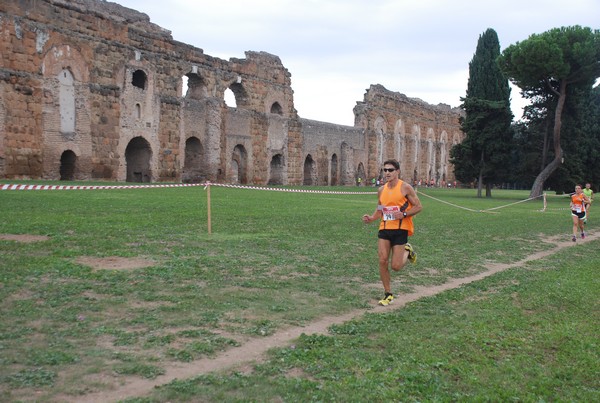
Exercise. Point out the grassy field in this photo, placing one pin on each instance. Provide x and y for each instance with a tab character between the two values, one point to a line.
280	259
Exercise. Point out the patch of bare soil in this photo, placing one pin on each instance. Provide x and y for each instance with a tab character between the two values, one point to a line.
114	262
253	351
26	238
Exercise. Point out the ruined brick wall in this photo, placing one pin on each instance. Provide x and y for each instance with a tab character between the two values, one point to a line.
417	134
93	90
335	149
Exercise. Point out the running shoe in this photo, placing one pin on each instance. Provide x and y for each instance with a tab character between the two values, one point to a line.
388	299
412	255
582	235
574	238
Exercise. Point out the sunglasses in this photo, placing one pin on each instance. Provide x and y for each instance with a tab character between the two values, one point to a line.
389	169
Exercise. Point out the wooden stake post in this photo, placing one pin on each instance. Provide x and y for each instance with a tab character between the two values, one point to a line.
208	206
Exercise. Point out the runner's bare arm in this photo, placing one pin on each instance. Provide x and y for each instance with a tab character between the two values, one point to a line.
377	214
412	197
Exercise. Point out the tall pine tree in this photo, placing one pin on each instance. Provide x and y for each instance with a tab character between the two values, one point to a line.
485	152
554	63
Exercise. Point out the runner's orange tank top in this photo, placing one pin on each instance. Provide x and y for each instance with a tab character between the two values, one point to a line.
577	200
393	200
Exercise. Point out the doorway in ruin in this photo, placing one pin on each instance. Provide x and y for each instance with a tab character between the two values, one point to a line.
310	171
334	170
276	171
137	158
192	164
360	173
68	161
239	165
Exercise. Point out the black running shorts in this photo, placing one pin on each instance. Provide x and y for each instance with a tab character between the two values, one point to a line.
395	236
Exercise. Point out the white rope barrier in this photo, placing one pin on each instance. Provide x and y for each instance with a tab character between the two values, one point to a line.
448	203
489	210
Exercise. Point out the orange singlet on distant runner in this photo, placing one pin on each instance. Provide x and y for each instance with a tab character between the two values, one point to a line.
577	200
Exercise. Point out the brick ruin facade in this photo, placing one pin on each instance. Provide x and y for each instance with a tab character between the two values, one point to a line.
91	90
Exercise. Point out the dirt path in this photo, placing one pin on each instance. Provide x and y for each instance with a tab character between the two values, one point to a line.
254	350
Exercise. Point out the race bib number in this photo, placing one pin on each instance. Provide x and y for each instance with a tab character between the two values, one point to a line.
578	209
388	212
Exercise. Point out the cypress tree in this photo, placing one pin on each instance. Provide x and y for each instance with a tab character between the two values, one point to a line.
485	153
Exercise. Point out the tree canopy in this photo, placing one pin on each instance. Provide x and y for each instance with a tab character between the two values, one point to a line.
551	66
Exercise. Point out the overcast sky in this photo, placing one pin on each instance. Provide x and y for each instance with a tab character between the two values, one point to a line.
335	49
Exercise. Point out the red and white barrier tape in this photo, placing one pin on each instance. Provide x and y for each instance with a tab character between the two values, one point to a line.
91	187
289	190
101	187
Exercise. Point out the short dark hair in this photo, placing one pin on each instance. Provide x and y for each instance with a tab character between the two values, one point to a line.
393	162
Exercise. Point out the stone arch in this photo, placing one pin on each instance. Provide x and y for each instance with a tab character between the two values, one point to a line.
68	165
197	87
229	98
310	171
241	96
415	139
137	157
276	170
63	57
400	145
276	108
443	157
456	139
193	169
430	155
66	106
139	79
346	164
239	165
334	170
380	128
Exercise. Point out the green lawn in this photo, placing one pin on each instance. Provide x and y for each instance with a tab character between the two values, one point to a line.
280	259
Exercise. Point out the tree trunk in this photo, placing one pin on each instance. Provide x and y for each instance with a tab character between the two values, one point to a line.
538	184
488	190
545	149
480	180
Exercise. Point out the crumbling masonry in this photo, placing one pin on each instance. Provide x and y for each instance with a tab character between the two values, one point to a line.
93	90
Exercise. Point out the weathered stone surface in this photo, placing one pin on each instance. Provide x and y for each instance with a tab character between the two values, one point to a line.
93	90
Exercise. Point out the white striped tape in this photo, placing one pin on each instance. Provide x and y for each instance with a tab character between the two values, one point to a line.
101	187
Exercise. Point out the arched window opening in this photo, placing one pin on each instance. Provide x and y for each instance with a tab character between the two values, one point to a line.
68	161
240	95
230	100
276	108
184	86
138	111
139	79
